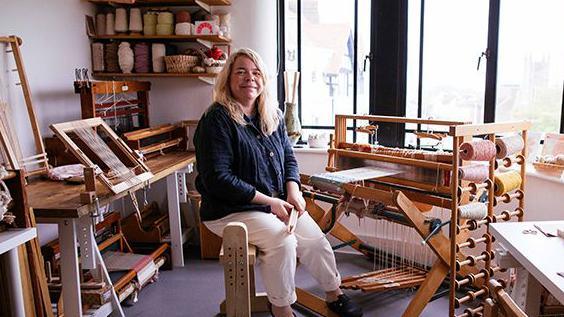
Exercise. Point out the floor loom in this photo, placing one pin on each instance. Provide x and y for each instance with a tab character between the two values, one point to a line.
404	197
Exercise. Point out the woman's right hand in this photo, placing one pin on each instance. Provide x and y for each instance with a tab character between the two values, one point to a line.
280	208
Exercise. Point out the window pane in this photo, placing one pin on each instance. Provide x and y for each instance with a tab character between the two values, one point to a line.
531	63
363	74
455	33
327	60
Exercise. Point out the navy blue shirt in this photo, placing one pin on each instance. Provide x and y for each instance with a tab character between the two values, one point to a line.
234	161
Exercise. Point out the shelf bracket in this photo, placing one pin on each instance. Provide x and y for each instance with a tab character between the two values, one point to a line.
208	44
204	5
207	80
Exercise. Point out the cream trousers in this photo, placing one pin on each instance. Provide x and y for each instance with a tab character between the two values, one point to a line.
279	251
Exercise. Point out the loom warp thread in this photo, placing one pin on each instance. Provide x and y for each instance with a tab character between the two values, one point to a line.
506	182
508	145
480	150
476	211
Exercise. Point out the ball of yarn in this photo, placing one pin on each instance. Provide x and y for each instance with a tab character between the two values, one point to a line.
506	182
165	29
100	24
121	20
508	145
165	18
110	24
480	150
135	24
98	57
183	16
125	57
183	28
476	173
158	52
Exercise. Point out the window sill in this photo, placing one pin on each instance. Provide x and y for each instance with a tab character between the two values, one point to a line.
309	150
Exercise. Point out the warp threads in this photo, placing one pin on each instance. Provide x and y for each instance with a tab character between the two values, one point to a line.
475	211
477	173
506	182
508	145
480	150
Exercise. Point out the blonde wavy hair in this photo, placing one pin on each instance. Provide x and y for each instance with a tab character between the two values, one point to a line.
266	107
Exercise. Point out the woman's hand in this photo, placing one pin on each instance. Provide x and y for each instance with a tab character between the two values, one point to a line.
280	208
295	197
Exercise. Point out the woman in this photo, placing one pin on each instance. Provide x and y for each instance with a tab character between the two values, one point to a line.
248	173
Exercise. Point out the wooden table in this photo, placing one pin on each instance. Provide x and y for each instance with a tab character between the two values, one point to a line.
59	202
10	240
540	256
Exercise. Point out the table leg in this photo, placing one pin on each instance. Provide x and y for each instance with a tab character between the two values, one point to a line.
15	283
176	240
70	277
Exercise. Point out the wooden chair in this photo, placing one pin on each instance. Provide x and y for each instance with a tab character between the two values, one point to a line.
501	304
238	258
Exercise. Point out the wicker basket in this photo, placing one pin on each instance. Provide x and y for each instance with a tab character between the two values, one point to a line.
180	63
213	69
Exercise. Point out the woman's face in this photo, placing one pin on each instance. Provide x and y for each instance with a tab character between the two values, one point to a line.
245	81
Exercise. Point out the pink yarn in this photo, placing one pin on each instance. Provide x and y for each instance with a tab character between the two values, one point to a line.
481	150
477	173
183	16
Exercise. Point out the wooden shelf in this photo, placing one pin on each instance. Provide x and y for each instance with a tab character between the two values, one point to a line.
162	2
189	75
169	38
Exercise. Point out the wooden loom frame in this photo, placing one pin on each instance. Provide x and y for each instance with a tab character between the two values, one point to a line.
447	250
61	130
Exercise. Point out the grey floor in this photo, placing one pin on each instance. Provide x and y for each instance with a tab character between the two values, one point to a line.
197	290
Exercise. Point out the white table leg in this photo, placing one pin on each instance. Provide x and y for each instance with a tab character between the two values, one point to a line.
174	220
70	277
15	283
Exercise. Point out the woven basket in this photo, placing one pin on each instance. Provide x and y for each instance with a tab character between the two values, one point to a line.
180	63
213	69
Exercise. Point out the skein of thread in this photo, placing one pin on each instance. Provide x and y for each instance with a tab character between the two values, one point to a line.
508	145
506	182
183	28
110	24
150	23
135	22
100	24
158	52
477	173
121	20
476	211
98	57
480	150
111	57
141	52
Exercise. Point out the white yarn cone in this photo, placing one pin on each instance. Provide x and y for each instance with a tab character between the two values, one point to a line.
158	52
110	24
121	20
135	21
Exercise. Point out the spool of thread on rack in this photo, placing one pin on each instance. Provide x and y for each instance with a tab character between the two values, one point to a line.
508	145
475	211
480	150
476	173
506	182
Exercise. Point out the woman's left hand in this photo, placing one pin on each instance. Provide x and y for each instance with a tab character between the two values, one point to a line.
295	197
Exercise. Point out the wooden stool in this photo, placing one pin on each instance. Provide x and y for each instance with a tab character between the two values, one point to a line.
238	258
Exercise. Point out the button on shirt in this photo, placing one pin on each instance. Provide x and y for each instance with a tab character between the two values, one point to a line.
234	161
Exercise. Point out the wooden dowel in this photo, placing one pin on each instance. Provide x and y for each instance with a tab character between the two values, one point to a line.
472	260
471	295
472	242
508	161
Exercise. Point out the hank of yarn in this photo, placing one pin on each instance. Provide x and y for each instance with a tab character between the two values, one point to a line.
183	28
506	182
508	145
476	211
183	16
477	173
135	22
100	24
125	57
165	17
110	24
141	52
121	20
480	150
158	52
165	29
111	57
98	57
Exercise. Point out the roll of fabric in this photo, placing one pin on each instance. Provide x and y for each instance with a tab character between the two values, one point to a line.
98	57
183	16
165	17
165	29
125	57
121	20
158	52
141	52
183	28
100	24
508	145
111	63
135	22
110	24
